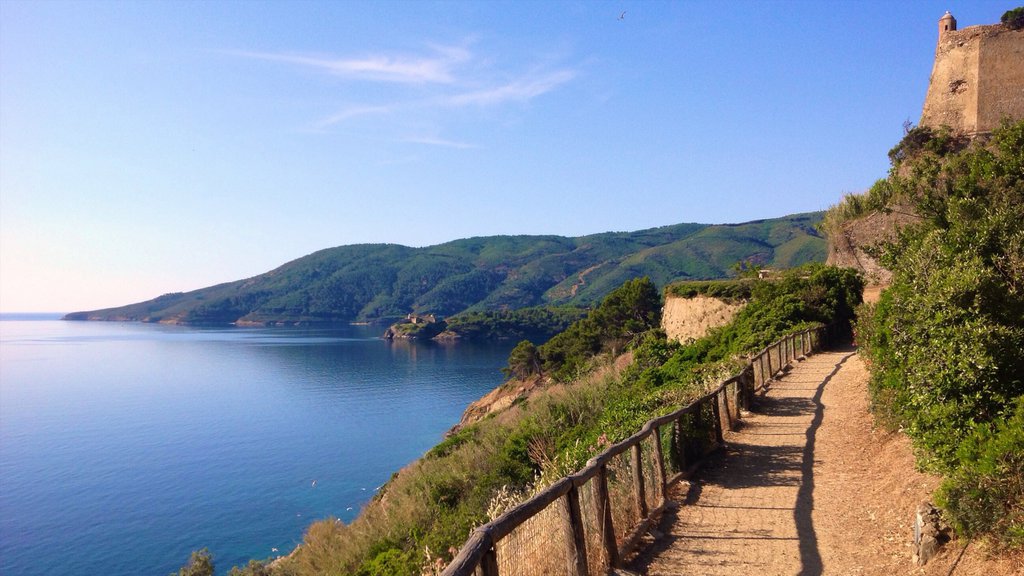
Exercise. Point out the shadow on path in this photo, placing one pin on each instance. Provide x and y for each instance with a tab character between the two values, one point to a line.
775	452
810	557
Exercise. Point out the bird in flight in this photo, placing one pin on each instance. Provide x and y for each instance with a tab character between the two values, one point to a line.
623	15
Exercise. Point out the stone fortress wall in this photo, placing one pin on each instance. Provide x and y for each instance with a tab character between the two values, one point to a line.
977	79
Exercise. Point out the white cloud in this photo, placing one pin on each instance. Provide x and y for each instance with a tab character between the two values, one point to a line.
353	112
520	90
433	141
436	69
425	89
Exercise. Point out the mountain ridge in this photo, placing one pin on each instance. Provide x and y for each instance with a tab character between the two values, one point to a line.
370	282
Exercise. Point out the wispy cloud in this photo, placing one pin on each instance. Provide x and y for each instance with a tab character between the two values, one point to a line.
354	112
420	93
434	69
520	90
432	141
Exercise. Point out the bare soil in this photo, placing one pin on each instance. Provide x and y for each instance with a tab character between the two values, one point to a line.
690	318
808	485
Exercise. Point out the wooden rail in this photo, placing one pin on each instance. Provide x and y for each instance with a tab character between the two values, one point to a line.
583	524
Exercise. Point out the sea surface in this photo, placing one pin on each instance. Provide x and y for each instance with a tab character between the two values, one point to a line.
123	446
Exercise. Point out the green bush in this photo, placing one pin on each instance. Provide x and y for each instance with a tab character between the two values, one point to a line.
1013	19
200	563
986	493
625	314
727	290
946	340
253	568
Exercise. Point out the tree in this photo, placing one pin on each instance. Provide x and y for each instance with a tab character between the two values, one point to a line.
199	564
1013	19
523	362
629	310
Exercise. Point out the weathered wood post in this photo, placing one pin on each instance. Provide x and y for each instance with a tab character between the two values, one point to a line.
678	444
489	562
638	479
578	543
602	502
659	462
716	412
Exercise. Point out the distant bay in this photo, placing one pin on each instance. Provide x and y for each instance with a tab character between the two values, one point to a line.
123	447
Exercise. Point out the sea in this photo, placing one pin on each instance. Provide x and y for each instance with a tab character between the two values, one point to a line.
126	446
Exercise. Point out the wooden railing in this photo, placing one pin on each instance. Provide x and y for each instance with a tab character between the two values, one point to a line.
583	524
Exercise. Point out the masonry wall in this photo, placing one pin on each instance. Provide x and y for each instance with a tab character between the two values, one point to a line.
1000	79
977	79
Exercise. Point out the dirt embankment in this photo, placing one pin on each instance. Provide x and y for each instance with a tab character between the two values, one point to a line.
690	318
850	247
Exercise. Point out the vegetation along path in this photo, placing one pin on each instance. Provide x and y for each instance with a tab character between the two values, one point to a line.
806	486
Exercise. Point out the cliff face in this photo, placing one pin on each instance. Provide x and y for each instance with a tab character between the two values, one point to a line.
977	79
848	248
687	319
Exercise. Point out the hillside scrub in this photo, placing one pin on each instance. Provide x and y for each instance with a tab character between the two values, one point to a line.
946	339
884	196
536	323
424	513
379	282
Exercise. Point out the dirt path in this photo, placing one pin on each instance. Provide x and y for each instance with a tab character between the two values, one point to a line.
806	486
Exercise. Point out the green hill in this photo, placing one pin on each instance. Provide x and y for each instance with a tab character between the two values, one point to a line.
378	281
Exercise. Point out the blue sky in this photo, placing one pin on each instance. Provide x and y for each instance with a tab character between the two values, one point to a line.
152	147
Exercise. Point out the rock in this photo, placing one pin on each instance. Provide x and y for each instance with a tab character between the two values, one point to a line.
930	533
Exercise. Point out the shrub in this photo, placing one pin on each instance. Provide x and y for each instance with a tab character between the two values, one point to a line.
946	340
1013	19
200	563
986	493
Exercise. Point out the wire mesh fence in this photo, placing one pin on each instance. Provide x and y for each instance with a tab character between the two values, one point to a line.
593	529
539	546
624	505
652	473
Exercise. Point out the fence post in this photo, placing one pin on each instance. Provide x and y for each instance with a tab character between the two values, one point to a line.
638	479
659	462
602	502
768	354
716	412
489	563
698	423
578	544
748	382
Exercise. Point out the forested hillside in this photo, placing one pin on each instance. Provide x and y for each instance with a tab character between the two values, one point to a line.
379	281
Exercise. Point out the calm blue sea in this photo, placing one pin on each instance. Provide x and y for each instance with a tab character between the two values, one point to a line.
123	447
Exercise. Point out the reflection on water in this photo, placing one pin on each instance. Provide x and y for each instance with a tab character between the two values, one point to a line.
153	440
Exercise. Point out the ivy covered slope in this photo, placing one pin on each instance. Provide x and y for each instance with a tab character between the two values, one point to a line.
946	340
368	282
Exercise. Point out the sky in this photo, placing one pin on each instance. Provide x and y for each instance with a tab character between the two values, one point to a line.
152	147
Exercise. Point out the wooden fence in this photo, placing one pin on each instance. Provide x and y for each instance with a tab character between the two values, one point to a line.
583	524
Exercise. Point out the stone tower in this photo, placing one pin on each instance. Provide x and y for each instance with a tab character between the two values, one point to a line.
977	79
946	24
